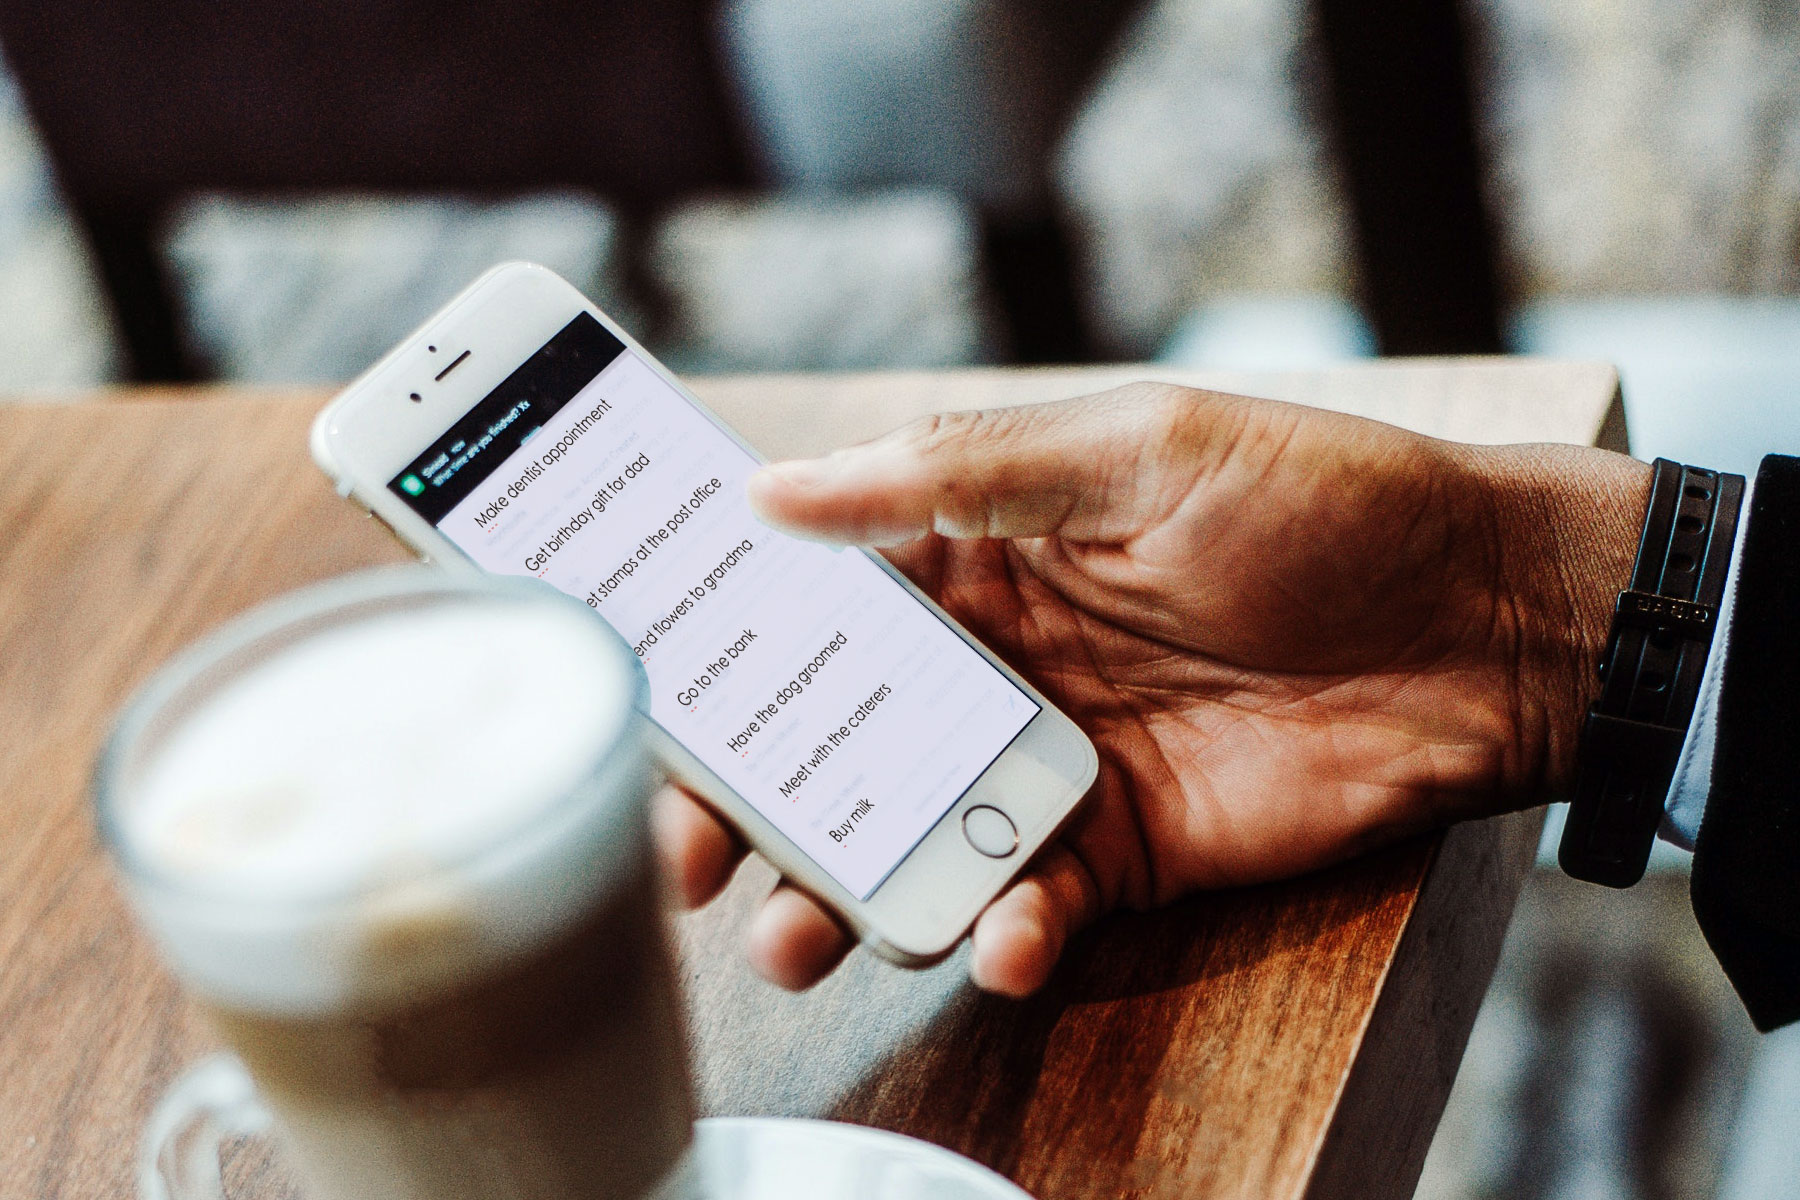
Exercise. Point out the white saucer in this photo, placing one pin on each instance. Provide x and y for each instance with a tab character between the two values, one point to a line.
777	1158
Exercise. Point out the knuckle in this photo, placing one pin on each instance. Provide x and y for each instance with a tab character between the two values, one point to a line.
1148	398
1173	410
1158	413
965	457
948	431
1145	392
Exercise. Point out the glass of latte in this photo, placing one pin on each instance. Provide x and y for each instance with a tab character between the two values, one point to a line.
391	832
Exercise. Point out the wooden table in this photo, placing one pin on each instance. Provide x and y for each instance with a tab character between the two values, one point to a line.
1283	1041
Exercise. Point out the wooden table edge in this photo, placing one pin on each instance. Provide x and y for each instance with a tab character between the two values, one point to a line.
1376	1142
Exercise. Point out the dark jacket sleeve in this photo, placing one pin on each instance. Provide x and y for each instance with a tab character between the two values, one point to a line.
1746	882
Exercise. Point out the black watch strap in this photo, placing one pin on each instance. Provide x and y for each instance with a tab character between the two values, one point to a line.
1650	673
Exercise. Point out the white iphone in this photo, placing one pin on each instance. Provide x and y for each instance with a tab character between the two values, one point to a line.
860	740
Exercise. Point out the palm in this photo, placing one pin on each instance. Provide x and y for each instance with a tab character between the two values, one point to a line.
1270	687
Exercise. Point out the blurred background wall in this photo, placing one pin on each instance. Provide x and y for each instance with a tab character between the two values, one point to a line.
276	191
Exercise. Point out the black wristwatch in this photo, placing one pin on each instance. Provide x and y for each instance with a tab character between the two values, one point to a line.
1650	672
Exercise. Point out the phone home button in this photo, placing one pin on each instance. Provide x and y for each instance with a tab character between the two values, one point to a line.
990	831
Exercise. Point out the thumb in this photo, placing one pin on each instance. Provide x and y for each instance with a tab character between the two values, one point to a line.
1074	467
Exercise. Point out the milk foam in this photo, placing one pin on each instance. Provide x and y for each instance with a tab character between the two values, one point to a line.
383	806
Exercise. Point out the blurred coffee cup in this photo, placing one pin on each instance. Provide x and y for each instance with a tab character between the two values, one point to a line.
391	833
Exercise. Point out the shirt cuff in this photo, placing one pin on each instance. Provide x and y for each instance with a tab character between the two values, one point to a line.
1686	801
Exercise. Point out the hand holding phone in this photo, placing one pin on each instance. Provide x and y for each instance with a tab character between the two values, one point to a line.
881	758
1277	623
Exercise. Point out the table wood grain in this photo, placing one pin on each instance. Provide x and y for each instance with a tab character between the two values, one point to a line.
1283	1041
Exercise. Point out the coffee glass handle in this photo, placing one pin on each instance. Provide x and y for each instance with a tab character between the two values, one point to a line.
214	1102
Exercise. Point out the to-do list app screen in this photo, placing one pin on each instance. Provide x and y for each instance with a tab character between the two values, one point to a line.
834	702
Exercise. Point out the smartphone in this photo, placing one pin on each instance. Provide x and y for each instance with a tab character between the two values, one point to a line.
876	753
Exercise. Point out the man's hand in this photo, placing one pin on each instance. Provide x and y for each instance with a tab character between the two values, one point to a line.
1292	635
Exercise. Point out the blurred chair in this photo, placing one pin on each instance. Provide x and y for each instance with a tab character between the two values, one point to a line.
888	279
1402	110
314	290
966	96
1198	175
1282	149
142	103
56	334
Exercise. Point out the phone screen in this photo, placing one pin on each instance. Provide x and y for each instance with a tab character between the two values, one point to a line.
805	677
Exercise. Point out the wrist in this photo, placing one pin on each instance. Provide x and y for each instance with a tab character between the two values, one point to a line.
1563	529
